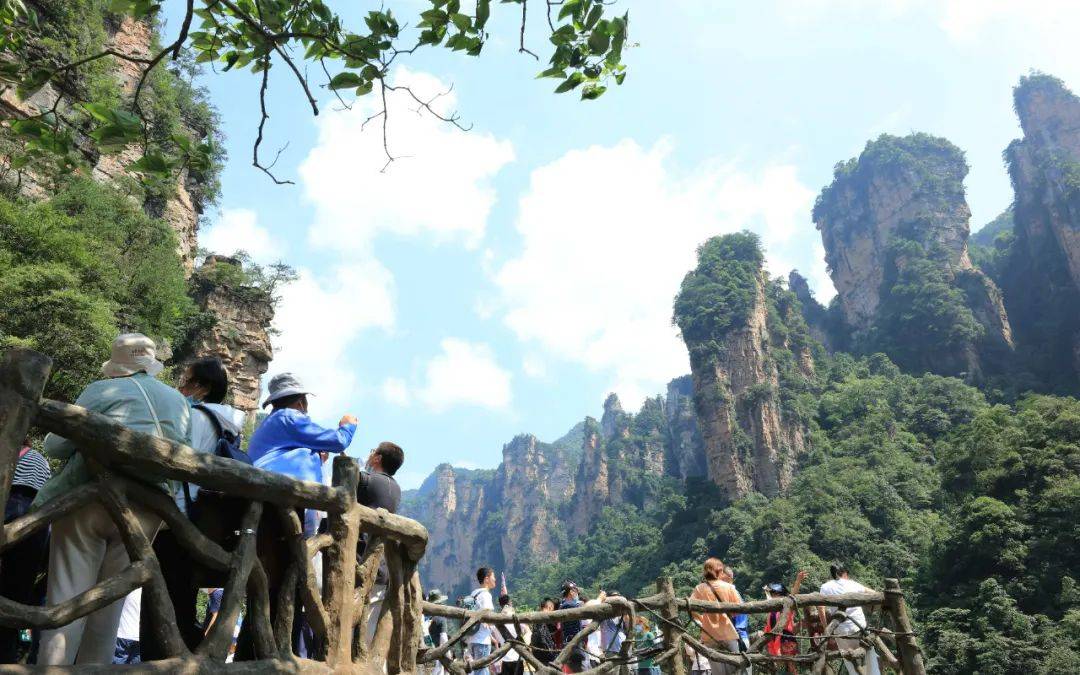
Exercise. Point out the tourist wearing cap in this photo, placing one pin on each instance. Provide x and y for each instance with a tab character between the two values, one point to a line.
288	441
85	545
436	629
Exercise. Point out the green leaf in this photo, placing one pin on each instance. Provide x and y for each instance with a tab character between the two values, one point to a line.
462	21
483	12
365	88
594	15
619	78
568	8
592	92
345	80
553	72
599	41
151	162
569	83
99	111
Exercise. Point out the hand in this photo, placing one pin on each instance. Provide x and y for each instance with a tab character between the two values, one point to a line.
801	575
323	456
348	419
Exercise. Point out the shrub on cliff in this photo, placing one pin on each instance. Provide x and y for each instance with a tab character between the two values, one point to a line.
79	268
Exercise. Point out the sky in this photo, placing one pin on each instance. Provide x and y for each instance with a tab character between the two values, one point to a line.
503	280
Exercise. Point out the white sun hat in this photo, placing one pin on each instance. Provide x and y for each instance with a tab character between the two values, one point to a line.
282	385
132	353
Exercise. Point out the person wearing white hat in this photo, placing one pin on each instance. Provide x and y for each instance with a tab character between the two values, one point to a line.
289	442
86	545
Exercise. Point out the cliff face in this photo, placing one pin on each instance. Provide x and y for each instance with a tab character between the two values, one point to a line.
179	210
1041	273
894	223
238	334
723	310
541	494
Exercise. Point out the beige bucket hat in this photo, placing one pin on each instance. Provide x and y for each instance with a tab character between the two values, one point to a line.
132	353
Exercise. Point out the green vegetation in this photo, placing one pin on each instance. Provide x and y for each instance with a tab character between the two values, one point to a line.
924	321
63	43
719	294
78	269
972	506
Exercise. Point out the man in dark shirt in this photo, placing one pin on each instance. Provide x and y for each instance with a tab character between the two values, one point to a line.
570	600
379	490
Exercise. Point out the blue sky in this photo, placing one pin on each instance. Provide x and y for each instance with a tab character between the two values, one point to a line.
504	280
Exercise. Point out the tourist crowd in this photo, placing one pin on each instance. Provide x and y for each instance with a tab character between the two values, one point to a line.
83	547
642	640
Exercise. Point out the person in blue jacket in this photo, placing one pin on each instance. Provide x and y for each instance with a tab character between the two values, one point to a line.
289	442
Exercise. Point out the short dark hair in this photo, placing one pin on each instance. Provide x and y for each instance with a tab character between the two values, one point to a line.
483	573
547	600
836	569
286	401
504	600
392	456
210	373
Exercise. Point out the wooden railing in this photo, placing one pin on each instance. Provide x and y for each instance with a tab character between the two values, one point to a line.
116	455
895	646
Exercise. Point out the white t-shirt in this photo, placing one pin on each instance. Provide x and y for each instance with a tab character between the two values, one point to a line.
482	636
129	617
511	655
855	614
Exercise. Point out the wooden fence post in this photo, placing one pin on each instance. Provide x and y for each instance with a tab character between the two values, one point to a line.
339	567
911	660
23	374
670	612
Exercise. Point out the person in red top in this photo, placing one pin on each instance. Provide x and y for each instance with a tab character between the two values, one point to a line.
784	644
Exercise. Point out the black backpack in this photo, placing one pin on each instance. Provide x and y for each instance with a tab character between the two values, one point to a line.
216	514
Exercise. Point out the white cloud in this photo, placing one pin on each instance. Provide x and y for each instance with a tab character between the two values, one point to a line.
465	373
1040	34
394	390
440	186
599	267
238	230
319	317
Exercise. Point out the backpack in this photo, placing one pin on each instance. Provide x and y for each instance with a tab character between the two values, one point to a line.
216	514
472	604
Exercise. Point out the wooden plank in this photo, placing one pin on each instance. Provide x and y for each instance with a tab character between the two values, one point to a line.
23	373
339	566
50	512
911	660
102	594
670	612
139	454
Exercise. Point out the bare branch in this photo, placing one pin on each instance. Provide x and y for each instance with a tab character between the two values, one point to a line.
521	43
262	123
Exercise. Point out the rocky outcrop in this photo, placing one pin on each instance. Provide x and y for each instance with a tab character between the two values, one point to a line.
452	504
179	210
685	450
813	312
751	443
614	418
896	218
1041	274
238	330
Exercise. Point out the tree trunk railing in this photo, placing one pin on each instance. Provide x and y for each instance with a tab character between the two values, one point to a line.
339	610
116	454
672	615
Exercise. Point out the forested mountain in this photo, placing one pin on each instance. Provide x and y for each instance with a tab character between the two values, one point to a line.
916	428
88	246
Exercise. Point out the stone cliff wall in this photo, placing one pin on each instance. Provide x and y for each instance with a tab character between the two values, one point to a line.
1041	276
749	443
898	205
239	331
179	210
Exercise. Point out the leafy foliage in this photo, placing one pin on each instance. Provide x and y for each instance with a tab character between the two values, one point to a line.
719	293
62	43
81	267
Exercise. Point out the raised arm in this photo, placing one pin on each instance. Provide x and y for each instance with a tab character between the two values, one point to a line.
320	439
